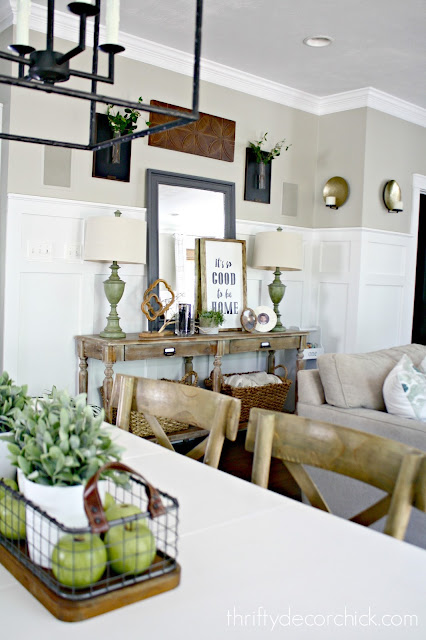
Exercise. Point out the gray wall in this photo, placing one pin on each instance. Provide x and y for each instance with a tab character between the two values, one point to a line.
395	150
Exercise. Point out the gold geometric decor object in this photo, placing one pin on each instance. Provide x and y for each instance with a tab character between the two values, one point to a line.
150	295
335	192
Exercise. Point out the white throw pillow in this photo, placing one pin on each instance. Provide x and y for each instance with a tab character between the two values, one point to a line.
404	391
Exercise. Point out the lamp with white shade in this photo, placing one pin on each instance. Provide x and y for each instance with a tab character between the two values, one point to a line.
278	251
116	239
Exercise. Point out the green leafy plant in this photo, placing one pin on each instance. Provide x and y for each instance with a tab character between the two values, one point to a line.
216	317
265	157
12	398
123	123
60	442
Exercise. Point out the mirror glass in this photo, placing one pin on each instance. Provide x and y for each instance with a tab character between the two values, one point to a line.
180	209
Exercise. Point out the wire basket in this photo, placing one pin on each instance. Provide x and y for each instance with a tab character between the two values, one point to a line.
138	424
81	563
267	396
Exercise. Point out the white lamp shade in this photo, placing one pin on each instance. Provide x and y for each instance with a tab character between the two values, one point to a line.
115	238
280	249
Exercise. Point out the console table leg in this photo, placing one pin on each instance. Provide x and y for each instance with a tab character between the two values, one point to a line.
217	373
271	361
82	375
107	388
188	364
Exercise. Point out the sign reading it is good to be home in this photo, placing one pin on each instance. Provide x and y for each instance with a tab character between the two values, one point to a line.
223	278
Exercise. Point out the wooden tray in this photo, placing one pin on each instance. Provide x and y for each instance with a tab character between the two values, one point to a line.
74	611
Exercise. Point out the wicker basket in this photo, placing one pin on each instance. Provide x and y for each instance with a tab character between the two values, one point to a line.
138	424
268	396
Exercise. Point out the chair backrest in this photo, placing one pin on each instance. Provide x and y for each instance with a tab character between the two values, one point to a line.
395	468
214	412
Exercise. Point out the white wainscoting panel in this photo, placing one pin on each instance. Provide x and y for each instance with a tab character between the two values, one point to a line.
52	294
332	314
382	302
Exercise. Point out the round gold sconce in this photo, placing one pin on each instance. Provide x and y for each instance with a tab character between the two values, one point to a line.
392	197
335	192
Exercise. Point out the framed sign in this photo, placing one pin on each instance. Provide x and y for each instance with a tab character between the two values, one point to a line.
222	281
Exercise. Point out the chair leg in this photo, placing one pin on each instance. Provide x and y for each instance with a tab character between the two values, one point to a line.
403	496
263	451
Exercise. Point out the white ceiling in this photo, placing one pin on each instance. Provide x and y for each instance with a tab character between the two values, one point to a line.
377	43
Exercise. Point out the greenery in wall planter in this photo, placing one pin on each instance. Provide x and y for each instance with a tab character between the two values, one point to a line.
121	124
265	157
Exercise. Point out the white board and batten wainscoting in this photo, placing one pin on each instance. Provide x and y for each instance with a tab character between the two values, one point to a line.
357	285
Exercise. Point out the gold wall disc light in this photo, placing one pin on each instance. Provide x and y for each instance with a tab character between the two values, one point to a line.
335	192
392	197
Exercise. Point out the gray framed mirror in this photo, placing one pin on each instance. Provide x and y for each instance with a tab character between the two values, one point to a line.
180	208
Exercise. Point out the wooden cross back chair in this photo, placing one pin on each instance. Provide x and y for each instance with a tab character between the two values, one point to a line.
395	468
213	412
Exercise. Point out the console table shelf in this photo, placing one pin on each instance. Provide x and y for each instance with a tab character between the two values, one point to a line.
134	347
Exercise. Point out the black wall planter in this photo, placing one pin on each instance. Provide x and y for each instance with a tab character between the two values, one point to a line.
103	167
253	190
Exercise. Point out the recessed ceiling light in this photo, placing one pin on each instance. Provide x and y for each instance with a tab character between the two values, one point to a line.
318	41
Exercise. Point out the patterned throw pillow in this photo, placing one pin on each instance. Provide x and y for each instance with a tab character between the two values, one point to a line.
404	390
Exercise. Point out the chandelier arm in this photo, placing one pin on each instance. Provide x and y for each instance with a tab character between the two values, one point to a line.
81	43
197	55
45	141
95	54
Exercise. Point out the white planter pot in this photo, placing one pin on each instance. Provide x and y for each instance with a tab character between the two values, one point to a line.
208	330
7	470
64	504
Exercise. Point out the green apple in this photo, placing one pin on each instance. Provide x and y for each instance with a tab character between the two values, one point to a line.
124	510
12	518
79	560
130	547
10	483
108	501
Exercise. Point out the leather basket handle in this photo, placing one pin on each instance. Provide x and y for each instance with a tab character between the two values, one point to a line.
93	504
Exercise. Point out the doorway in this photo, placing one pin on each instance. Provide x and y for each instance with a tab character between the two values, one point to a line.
419	315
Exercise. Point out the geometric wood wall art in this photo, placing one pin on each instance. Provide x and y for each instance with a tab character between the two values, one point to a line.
103	167
210	136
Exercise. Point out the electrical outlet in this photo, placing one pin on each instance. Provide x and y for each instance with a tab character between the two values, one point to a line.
39	251
72	252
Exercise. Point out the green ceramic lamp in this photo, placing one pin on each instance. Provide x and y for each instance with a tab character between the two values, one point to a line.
117	239
278	251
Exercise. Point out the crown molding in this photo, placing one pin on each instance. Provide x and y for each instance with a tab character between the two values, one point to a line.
148	52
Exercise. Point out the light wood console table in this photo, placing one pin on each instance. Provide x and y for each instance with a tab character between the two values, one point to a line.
159	346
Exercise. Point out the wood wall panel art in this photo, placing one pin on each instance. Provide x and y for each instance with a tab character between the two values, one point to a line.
211	136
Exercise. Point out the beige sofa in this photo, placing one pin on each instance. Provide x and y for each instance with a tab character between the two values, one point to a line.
346	389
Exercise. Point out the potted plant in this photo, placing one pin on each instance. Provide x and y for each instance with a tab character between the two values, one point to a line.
12	398
121	123
209	321
58	445
263	158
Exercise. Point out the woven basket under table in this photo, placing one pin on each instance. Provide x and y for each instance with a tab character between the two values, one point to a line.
268	396
138	424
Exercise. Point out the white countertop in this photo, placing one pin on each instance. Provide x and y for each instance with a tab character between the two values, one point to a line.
254	565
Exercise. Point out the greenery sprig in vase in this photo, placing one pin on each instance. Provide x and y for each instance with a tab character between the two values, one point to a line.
121	124
265	157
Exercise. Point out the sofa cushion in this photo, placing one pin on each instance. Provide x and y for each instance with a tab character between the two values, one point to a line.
356	380
404	391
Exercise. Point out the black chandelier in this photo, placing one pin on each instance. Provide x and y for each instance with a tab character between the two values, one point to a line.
42	70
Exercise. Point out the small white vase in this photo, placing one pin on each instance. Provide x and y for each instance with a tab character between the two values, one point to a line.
64	504
7	470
